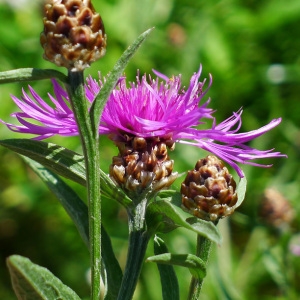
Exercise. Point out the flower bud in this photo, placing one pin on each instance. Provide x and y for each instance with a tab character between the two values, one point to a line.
275	209
142	165
73	34
208	191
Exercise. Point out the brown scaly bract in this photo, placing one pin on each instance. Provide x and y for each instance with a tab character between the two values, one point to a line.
142	165
73	34
208	191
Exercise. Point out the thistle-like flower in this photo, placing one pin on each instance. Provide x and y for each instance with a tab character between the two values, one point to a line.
143	165
153	109
208	191
73	34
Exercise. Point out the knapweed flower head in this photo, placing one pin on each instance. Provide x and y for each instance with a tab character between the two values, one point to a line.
209	190
73	34
275	210
143	166
158	109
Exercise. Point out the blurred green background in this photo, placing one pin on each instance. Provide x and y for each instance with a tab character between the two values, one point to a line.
252	50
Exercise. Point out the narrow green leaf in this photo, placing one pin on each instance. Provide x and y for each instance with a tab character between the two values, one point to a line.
71	202
78	212
30	74
56	158
190	261
64	162
168	278
273	261
164	216
33	282
112	79
113	270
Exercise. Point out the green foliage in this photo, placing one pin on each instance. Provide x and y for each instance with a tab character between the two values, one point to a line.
31	281
63	162
168	278
30	74
166	214
192	262
78	212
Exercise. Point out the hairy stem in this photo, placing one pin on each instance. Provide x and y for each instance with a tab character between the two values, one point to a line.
90	145
138	241
202	251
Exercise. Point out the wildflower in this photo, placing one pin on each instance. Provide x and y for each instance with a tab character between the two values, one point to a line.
154	109
275	210
73	35
208	191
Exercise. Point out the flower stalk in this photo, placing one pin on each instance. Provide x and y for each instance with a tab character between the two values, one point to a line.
138	241
90	145
202	251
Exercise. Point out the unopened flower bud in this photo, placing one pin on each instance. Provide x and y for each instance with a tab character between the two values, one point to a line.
73	34
275	209
142	165
208	191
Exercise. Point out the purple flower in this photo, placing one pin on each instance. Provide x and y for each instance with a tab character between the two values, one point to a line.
149	108
59	120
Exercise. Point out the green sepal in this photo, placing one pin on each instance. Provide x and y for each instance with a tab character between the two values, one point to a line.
165	214
241	191
112	79
168	278
30	74
78	212
64	162
31	281
195	264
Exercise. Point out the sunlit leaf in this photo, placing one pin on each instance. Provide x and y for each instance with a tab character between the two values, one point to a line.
166	214
190	261
30	74
31	281
78	212
64	162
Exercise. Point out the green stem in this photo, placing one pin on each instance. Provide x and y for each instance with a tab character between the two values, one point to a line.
90	146
138	241
202	251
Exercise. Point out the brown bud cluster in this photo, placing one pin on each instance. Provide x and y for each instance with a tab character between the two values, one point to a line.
143	165
73	34
208	191
275	209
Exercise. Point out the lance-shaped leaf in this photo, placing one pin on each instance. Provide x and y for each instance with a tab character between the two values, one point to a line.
112	79
78	212
68	198
166	214
190	261
30	74
64	162
58	159
168	278
31	281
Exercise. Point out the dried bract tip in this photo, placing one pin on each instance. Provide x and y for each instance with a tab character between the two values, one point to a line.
142	165
73	35
208	191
